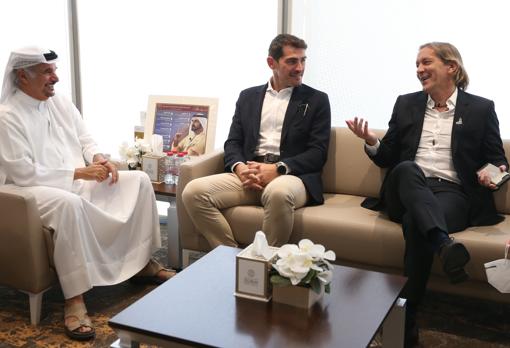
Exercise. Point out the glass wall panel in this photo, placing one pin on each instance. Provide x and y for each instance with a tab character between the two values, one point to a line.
132	49
37	23
363	52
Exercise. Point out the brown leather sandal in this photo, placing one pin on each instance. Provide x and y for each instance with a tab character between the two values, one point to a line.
75	317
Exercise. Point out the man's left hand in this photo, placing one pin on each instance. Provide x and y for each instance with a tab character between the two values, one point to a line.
484	178
110	167
266	171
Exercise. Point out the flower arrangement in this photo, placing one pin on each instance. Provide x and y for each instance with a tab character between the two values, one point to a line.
133	154
306	264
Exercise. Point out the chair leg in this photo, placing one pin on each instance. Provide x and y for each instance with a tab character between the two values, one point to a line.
35	302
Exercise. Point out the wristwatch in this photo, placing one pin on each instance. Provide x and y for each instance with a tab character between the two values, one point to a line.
282	168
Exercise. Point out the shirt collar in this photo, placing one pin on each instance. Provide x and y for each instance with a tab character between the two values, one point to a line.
271	90
25	98
450	102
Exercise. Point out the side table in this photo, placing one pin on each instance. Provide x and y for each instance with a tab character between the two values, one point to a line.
166	193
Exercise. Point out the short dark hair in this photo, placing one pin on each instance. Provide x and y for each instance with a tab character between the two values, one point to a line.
282	40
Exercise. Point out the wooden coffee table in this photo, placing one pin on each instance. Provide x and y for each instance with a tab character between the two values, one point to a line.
198	308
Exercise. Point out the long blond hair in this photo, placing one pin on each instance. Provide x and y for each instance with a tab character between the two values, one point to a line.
448	54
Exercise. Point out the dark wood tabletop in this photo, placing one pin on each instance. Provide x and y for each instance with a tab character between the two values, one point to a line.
198	307
164	189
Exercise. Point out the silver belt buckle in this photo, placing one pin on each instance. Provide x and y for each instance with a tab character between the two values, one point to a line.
271	158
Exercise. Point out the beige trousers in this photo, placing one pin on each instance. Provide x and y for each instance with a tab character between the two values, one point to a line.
205	197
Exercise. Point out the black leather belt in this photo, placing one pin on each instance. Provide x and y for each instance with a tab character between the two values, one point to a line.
267	158
440	180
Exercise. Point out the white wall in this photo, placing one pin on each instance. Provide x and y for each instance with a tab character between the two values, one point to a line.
131	49
363	52
36	23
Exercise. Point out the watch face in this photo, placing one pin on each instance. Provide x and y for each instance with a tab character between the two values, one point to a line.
281	169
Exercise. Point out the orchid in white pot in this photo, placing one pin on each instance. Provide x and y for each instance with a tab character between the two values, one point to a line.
306	264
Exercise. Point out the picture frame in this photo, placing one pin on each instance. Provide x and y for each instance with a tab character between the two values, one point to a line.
174	117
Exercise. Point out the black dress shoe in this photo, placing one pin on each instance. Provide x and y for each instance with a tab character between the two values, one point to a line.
454	257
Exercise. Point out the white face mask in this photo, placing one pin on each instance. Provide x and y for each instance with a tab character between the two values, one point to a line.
498	272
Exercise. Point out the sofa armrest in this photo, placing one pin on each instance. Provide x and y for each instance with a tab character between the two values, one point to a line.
197	167
24	259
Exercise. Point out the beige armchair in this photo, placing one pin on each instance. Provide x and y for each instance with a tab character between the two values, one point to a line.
25	248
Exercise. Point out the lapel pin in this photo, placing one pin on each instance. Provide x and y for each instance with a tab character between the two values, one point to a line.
304	107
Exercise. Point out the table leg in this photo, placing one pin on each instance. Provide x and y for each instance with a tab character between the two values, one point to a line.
394	325
125	343
174	241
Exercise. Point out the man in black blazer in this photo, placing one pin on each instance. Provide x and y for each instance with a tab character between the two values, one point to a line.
274	154
437	141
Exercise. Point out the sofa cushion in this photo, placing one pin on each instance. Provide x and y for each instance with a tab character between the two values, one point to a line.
348	170
340	224
367	237
502	196
485	244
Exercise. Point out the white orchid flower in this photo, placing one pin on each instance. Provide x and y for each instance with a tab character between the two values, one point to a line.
325	277
146	148
330	255
287	250
295	261
305	245
300	263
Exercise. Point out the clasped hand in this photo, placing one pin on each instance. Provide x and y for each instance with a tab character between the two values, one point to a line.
98	171
255	175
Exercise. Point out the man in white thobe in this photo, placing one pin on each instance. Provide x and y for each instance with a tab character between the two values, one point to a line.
194	141
106	223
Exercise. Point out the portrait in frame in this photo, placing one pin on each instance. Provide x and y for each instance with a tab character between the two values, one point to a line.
185	123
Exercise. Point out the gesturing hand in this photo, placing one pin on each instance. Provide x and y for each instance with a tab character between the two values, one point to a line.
177	138
360	128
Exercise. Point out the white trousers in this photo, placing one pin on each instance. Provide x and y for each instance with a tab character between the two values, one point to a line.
104	234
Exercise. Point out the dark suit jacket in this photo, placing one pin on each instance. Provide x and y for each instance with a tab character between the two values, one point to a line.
304	140
475	141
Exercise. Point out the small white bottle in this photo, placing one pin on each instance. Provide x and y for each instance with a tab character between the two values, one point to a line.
179	158
169	168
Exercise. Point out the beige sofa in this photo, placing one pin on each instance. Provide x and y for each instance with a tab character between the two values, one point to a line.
359	237
26	248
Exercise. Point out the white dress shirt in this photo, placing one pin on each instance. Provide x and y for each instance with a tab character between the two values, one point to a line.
271	120
434	154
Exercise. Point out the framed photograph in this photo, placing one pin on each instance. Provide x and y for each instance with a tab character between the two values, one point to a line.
185	123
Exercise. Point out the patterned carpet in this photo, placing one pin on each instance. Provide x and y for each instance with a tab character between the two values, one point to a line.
445	321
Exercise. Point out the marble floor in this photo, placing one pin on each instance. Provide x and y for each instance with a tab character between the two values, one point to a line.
445	321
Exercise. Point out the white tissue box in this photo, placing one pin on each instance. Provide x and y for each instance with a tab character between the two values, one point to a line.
154	166
252	275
